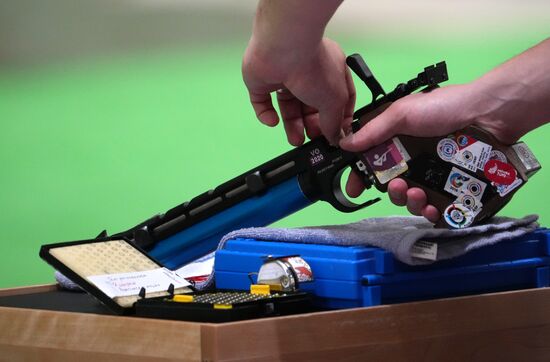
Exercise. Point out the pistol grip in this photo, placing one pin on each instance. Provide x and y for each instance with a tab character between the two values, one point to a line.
453	172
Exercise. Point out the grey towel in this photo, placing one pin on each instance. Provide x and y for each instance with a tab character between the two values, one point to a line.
397	234
66	283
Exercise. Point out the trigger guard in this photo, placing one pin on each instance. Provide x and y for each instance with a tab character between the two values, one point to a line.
338	199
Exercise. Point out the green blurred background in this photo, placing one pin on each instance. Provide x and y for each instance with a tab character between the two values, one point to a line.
113	111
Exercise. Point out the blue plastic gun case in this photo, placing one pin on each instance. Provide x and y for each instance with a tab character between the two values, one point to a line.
356	276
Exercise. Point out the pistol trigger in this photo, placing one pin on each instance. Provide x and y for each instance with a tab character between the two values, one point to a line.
338	199
361	69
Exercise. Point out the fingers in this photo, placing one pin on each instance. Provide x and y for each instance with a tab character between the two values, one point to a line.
263	107
376	131
291	113
354	185
311	121
417	204
296	115
431	213
416	201
397	190
337	112
414	198
350	105
330	122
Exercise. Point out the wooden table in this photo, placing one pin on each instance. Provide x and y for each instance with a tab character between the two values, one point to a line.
511	326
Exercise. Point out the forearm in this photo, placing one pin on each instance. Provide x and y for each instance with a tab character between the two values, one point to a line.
515	96
291	27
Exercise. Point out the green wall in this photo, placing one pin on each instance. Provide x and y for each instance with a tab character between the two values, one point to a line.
106	143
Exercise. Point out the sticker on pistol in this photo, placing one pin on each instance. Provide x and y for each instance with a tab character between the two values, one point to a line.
470	203
504	190
458	216
388	160
500	172
471	154
447	149
503	176
460	182
498	155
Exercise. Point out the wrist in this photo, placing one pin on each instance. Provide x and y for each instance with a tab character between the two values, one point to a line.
290	31
499	108
287	53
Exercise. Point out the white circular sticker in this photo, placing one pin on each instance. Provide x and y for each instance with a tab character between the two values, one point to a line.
474	188
467	156
497	155
468	201
458	216
447	149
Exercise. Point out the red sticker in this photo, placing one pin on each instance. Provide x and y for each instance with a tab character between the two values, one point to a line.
499	172
198	279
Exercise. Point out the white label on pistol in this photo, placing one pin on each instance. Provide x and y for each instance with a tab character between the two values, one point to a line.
504	190
471	154
460	182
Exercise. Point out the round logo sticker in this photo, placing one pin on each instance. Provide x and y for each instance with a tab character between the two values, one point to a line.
500	172
446	149
458	216
469	201
467	156
462	140
497	155
474	188
457	180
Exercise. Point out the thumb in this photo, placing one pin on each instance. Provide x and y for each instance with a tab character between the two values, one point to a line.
376	131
